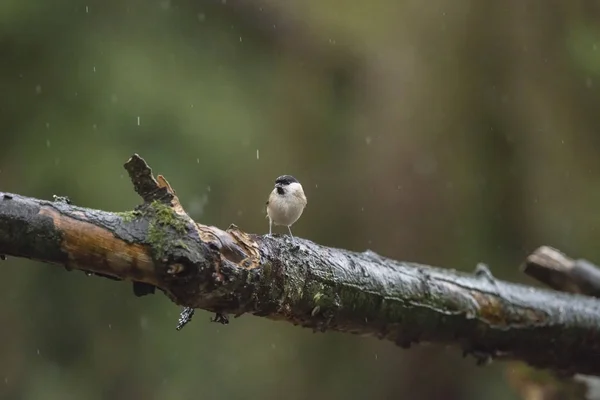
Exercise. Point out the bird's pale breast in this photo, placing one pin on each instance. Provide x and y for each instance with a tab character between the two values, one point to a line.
285	210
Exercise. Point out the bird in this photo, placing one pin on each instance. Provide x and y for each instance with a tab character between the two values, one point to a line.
286	203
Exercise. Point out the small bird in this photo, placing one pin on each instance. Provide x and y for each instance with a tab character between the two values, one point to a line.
286	202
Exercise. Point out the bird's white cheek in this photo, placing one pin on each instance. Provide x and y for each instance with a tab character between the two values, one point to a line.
295	188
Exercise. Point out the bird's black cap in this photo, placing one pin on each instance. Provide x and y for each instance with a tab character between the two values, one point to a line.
286	180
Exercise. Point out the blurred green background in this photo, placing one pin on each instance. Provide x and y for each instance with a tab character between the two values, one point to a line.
442	132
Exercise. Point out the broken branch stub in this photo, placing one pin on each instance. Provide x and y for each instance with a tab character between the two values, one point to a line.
188	256
560	272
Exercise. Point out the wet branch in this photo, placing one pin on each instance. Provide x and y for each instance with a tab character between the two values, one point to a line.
233	272
555	269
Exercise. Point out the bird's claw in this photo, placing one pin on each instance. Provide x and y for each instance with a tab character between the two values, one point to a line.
220	318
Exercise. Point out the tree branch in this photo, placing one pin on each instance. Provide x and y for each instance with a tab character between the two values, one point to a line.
299	281
560	272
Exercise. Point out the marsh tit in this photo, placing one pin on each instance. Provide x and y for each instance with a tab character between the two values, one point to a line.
286	202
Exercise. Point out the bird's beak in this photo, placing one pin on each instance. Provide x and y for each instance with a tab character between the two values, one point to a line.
278	185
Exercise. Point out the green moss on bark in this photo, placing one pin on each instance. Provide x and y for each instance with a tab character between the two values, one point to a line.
166	228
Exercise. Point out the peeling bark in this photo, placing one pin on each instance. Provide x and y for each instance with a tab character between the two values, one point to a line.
233	272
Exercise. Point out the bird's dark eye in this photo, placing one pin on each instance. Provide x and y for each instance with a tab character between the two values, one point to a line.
280	190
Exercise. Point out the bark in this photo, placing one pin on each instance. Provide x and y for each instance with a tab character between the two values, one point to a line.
304	283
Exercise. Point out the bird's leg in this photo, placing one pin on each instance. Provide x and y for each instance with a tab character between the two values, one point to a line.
290	231
270	225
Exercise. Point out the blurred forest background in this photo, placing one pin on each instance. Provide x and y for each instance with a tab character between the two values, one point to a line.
442	132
